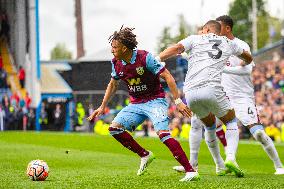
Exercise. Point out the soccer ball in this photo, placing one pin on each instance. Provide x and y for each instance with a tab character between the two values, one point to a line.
37	170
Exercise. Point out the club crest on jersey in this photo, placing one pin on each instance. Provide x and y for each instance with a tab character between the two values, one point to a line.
140	70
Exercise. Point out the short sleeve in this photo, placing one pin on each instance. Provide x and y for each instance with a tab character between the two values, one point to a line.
113	72
247	48
188	42
236	49
153	65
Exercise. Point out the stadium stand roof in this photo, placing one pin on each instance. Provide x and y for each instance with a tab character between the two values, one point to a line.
51	80
270	51
102	55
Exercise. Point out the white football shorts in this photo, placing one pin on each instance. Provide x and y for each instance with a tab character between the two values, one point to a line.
245	110
208	99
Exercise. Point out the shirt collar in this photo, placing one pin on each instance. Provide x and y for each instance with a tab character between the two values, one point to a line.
133	58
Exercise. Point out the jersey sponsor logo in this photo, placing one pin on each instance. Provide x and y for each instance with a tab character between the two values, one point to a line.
137	88
140	70
120	74
134	81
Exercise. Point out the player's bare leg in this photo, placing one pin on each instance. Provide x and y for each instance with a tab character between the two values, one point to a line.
178	153
232	137
258	133
122	136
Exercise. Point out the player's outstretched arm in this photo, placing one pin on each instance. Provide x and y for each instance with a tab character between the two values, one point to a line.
238	70
182	108
246	57
110	91
170	52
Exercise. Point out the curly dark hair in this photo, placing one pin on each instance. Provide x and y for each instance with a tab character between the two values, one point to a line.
125	36
227	20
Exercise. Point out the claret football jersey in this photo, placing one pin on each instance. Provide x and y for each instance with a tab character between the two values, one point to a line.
141	76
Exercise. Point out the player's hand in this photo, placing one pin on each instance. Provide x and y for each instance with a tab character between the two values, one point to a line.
184	109
96	113
184	55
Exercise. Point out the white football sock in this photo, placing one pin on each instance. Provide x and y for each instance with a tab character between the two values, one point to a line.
232	137
195	140
213	146
267	144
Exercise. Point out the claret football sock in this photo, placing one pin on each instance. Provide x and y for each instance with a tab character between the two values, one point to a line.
176	150
221	135
127	141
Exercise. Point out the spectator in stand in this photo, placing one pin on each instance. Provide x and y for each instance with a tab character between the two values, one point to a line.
58	118
28	100
5	28
22	76
92	122
43	120
31	120
80	113
3	79
19	114
2	118
1	62
15	98
146	126
175	127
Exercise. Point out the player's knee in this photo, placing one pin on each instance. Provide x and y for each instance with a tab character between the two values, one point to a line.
211	144
196	124
258	133
115	129
228	117
164	135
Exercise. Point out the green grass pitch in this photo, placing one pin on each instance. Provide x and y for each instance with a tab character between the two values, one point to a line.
100	162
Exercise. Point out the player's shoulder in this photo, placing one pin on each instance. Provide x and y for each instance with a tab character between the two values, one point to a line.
213	36
241	43
190	39
193	37
141	52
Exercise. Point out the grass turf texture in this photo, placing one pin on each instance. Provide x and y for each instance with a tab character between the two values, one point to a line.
100	162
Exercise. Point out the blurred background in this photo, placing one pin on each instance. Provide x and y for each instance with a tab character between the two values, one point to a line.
55	58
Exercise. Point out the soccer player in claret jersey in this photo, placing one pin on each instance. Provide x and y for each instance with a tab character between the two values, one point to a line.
203	91
141	72
236	80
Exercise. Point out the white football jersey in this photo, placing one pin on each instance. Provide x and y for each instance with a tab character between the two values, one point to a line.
208	56
238	86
